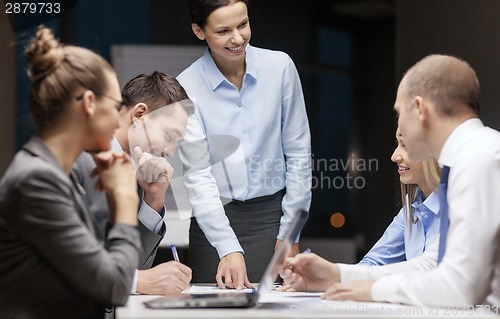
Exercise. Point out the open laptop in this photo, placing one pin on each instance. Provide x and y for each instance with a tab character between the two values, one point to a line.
238	299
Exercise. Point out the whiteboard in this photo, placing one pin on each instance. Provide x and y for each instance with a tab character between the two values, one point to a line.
130	60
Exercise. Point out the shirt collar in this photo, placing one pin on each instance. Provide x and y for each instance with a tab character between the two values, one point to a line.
215	76
115	146
431	202
454	143
251	62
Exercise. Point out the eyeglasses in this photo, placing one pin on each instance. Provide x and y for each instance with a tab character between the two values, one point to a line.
150	145
119	103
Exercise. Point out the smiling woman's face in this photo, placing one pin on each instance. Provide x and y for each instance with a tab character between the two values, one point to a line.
227	33
409	172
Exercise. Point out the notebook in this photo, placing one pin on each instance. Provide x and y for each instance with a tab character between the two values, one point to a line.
238	299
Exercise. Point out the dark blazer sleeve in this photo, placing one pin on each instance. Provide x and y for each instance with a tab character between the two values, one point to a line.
51	216
150	242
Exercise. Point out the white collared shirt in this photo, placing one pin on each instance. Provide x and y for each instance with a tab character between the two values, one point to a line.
469	273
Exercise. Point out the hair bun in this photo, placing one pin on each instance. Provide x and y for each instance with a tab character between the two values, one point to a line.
44	54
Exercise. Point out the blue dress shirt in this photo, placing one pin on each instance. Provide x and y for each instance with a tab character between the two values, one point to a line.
398	243
258	137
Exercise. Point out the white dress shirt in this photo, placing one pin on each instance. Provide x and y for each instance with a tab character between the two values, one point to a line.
426	261
258	139
470	270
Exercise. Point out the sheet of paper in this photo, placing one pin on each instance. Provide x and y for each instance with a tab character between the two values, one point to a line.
196	289
287	297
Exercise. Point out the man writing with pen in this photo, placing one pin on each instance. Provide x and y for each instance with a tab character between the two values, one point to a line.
152	121
174	252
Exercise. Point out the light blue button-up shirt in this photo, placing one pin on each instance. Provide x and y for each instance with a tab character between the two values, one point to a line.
398	243
258	139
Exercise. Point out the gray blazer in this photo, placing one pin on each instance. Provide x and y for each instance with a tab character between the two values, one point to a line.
98	207
51	263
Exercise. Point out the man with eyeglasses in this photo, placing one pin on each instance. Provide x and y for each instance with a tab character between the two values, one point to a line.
153	118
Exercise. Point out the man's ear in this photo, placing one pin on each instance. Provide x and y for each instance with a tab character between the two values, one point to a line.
138	111
198	31
422	107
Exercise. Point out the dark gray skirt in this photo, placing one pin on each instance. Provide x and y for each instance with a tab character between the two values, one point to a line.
256	224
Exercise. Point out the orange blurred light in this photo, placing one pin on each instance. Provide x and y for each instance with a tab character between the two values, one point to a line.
337	220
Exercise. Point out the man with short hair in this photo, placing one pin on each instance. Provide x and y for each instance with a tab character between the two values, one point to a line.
152	122
438	108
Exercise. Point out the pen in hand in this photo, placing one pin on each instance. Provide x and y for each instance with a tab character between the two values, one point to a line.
174	252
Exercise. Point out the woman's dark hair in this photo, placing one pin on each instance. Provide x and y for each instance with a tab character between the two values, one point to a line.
201	9
57	71
155	90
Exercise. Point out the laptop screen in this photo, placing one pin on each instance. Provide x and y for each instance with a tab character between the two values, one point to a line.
239	299
280	255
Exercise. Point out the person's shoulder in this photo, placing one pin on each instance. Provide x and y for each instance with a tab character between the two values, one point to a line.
490	143
271	56
83	167
84	161
485	140
490	132
29	169
192	70
480	151
269	52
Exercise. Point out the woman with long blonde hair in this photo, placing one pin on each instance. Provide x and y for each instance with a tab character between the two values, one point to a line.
416	225
409	243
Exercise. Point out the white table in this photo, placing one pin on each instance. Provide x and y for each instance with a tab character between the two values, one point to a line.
296	308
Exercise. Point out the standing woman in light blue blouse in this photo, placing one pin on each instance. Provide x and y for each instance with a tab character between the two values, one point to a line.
253	98
416	225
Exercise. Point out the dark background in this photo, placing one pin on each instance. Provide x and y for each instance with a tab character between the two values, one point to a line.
350	56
